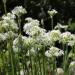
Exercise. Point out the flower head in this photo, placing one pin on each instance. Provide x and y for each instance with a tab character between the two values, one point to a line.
54	52
72	68
66	37
55	35
52	12
19	10
8	16
59	71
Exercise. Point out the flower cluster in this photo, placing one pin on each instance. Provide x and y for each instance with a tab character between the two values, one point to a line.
8	25
67	37
55	35
54	52
52	12
19	10
36	44
32	27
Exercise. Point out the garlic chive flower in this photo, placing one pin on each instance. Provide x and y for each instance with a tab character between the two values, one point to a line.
44	39
54	52
32	28
66	37
9	25
19	10
16	43
72	41
9	16
21	72
30	24
72	68
52	12
59	71
55	35
2	37
11	34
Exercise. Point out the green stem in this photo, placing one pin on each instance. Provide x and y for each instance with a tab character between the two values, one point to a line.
52	22
44	63
5	8
30	57
20	39
39	63
4	3
65	60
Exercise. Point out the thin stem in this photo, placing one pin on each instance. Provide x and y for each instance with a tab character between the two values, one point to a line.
4	3
30	57
44	70
65	60
5	8
11	57
52	22
39	63
20	39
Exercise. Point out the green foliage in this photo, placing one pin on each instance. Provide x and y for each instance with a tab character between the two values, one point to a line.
72	27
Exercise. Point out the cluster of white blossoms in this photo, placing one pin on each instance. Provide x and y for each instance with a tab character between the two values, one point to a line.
67	38
55	35
52	12
19	10
54	52
41	36
25	43
9	16
9	26
44	39
2	37
8	22
32	27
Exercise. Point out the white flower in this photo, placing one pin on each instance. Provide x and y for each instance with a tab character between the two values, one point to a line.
66	37
16	43
21	72
54	52
44	39
30	25
11	34
29	42
19	10
72	41
32	28
72	64
52	12
32	51
72	68
59	71
55	35
35	31
9	25
8	16
2	37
